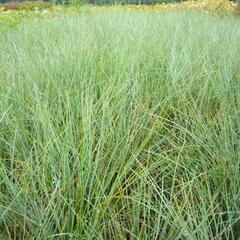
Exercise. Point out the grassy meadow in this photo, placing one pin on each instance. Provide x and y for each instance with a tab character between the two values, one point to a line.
120	125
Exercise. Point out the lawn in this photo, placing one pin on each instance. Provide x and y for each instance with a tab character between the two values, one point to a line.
120	125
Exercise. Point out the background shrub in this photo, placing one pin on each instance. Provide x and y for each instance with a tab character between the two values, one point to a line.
28	5
237	9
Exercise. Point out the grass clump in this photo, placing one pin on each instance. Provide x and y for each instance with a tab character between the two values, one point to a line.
120	126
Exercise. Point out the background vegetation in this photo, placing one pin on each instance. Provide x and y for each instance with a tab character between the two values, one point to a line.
101	2
134	2
104	2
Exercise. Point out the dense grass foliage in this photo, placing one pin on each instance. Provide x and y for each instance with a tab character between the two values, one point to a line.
120	126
